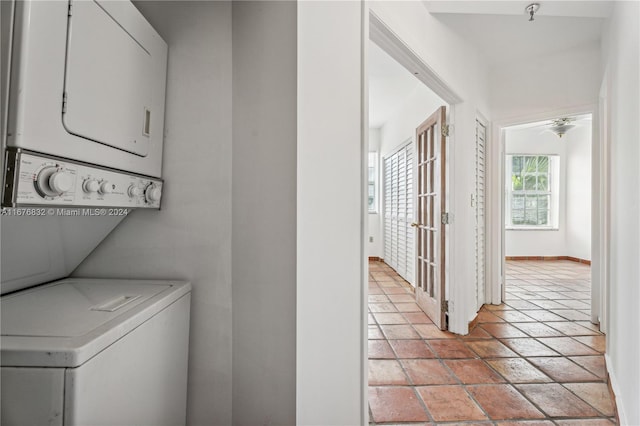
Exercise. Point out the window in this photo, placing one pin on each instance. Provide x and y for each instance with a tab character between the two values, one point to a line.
373	179
531	191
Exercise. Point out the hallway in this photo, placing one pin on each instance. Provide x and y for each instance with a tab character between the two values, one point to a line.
535	357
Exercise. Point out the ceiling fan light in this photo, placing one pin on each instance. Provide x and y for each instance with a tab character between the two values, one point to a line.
561	129
531	10
560	126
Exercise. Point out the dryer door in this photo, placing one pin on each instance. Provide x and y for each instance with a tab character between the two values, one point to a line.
108	80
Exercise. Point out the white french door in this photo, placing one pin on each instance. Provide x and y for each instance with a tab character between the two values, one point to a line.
399	211
431	218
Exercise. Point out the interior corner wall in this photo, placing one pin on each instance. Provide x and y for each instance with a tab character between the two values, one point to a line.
331	279
463	69
375	248
264	212
190	237
621	58
401	126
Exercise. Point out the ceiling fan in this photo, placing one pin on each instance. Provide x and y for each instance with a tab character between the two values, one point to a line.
560	126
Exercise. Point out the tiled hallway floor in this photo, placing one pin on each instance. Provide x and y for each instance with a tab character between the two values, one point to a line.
534	360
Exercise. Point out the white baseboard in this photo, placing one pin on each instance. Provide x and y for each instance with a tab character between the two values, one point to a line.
616	391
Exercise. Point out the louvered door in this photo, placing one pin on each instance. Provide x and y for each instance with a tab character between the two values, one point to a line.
398	211
481	132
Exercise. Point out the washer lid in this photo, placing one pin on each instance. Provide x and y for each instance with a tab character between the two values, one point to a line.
71	308
65	323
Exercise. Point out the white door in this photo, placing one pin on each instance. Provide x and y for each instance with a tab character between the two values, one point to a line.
479	201
108	79
430	259
398	211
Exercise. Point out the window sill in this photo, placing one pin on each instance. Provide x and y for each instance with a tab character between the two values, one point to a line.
530	228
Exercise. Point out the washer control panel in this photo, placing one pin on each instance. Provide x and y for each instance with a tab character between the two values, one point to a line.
34	179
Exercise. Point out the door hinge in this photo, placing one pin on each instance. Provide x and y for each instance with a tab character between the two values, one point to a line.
445	130
64	102
445	219
445	306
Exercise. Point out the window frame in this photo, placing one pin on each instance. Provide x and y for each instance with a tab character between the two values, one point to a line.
553	176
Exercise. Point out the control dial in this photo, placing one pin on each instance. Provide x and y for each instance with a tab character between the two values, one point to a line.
52	181
134	191
105	187
90	185
153	193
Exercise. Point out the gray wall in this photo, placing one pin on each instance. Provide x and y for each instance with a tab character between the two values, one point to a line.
250	378
190	238
264	213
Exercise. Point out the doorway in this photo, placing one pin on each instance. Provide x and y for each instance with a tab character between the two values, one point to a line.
547	213
400	99
406	135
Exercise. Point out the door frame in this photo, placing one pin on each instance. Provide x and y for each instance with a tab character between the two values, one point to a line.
601	180
381	34
496	200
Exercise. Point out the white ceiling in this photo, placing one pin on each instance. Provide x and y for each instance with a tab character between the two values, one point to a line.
571	8
502	32
578	120
389	85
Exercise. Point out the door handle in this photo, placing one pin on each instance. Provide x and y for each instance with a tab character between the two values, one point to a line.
415	225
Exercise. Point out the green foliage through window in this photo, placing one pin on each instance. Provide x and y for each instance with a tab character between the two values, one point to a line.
530	190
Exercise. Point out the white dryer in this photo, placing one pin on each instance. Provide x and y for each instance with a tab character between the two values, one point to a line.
95	352
82	117
87	83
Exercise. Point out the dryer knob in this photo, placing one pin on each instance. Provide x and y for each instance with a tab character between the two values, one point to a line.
153	193
60	182
106	187
134	191
91	185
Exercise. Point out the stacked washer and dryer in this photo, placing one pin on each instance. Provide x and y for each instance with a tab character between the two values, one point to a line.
83	92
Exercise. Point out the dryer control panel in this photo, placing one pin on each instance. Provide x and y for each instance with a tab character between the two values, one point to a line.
36	179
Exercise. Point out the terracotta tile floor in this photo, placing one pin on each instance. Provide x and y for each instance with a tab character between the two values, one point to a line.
534	360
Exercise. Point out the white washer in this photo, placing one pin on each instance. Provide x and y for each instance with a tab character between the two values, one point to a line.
95	352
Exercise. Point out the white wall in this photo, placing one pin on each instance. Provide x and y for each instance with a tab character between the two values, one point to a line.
401	126
621	52
543	83
264	213
331	314
578	219
462	68
375	247
544	242
190	238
